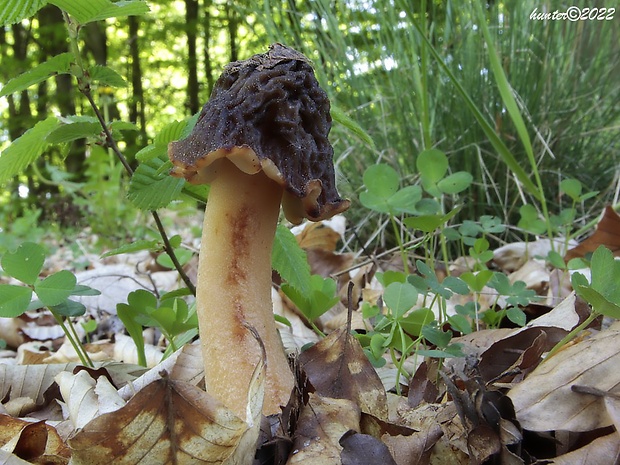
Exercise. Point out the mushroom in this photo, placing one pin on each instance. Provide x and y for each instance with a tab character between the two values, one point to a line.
260	141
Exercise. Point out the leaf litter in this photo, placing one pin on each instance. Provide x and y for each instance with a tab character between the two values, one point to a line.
504	401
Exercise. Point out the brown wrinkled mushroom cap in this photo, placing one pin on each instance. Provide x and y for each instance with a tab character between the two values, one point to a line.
268	113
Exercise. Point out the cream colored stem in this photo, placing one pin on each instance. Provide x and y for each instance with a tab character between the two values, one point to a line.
234	286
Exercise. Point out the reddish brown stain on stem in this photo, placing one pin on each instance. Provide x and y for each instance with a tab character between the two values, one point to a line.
241	241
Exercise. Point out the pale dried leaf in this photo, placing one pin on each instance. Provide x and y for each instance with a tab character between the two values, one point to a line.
85	398
183	365
29	381
10	331
602	451
125	351
544	401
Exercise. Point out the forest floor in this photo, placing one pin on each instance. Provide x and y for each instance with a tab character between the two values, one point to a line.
500	398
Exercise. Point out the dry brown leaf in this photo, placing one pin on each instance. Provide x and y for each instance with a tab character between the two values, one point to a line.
321	424
607	233
544	401
602	451
337	367
30	381
172	422
364	449
321	235
34	442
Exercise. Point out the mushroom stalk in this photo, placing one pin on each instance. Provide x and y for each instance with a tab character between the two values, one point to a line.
234	288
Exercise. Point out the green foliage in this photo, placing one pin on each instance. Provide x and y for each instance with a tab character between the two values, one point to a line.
60	64
177	322
26	149
320	298
290	261
13	11
53	292
603	291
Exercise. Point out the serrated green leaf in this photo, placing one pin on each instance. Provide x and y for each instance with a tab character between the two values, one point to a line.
290	260
104	75
73	131
170	132
56	288
13	11
132	247
150	190
123	126
14	300
96	10
56	65
25	264
25	149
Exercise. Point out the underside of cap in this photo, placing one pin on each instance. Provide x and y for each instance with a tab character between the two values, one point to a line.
268	114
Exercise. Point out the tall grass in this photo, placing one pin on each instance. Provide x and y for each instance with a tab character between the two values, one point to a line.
373	57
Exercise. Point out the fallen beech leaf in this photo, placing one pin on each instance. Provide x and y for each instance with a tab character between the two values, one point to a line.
544	401
29	381
602	451
337	367
363	449
321	235
607	233
85	398
321	424
171	422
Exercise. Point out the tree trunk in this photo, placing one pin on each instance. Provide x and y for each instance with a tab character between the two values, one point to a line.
136	101
206	26
191	27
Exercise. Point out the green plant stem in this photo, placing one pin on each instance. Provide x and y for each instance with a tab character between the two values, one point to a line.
401	248
566	339
111	142
79	349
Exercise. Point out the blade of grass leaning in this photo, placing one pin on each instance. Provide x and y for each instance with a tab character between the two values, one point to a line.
489	131
510	103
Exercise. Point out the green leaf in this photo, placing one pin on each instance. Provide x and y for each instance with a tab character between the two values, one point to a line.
572	188
405	200
432	165
477	281
96	10
517	316
14	300
460	324
69	308
25	264
25	149
137	246
455	183
106	76
14	11
599	302
170	132
320	299
149	189
400	297
290	260
82	290
374	202
416	320
73	131
381	180
433	334
56	288
59	64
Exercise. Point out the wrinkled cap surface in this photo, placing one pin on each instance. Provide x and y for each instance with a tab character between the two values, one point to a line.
268	113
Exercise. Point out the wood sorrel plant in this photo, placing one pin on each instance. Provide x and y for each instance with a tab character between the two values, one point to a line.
53	292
